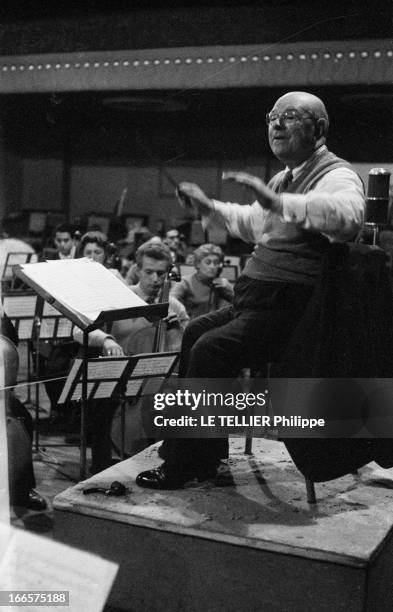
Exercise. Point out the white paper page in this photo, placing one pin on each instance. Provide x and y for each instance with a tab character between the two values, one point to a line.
133	387
33	563
70	379
84	286
105	389
50	311
47	328
25	329
77	394
20	306
109	368
158	366
64	328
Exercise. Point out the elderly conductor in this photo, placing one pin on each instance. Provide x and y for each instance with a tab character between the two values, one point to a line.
317	199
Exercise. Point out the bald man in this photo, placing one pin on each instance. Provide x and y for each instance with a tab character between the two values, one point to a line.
317	199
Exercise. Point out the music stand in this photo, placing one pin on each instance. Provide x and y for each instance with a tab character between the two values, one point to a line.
106	377
42	279
230	272
21	310
50	325
148	375
13	259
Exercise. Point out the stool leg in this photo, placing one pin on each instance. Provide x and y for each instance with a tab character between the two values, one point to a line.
310	488
248	447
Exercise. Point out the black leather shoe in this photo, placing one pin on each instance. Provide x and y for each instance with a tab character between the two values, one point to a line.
35	501
163	478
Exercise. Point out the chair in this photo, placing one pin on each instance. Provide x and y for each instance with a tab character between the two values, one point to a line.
346	332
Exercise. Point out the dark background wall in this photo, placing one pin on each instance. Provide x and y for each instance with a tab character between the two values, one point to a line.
77	151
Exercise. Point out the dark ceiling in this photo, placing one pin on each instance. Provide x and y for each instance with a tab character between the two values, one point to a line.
45	27
186	125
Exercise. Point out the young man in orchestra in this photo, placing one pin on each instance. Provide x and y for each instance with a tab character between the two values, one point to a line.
136	335
132	336
64	243
316	200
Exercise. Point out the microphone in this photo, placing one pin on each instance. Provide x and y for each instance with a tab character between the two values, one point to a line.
377	204
377	201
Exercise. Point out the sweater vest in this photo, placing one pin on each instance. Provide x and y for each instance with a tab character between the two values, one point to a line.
288	253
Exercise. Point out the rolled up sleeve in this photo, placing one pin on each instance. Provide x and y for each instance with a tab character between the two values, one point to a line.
247	222
335	207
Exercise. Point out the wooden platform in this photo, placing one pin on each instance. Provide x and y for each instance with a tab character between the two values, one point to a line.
252	543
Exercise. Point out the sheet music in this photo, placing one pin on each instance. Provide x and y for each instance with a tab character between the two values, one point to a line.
25	328
153	385
47	328
33	563
64	328
50	311
83	286
108	368
77	394
133	387
153	366
20	306
105	389
70	379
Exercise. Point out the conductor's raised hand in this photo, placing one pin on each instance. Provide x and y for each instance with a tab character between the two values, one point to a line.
191	192
266	197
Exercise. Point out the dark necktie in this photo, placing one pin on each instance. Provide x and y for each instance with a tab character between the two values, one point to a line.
285	181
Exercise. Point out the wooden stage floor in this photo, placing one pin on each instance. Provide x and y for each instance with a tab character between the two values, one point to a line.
251	543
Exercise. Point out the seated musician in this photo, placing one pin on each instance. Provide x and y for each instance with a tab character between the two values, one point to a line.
135	336
204	290
95	246
19	425
63	238
131	276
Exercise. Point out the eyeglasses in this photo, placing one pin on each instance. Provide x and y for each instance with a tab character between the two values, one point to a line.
288	117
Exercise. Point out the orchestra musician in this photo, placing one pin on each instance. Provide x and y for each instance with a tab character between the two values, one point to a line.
136	335
19	425
316	200
205	289
64	239
153	262
173	240
55	355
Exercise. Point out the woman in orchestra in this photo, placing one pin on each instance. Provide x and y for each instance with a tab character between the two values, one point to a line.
95	246
204	290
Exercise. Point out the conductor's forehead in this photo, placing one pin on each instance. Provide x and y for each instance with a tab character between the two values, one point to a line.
297	100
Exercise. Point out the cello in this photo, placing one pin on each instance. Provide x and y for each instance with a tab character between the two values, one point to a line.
159	336
153	338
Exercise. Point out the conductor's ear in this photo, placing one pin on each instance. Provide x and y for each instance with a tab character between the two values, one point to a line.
320	128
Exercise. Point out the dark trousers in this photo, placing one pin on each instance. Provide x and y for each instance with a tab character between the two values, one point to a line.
252	332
